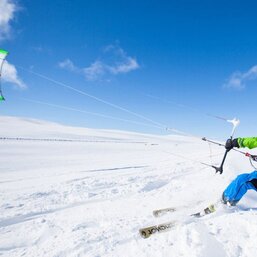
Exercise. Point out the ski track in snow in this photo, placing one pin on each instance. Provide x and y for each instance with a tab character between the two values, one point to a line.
90	199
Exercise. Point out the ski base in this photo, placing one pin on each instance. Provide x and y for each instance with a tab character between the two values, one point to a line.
148	231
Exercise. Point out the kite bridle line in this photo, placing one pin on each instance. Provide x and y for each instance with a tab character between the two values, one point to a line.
157	124
95	98
235	122
88	112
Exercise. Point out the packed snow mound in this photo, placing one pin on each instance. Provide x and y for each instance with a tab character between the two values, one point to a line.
91	196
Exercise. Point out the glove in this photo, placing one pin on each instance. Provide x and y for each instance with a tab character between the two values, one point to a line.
230	144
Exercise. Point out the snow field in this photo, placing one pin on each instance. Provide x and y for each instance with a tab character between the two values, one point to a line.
90	198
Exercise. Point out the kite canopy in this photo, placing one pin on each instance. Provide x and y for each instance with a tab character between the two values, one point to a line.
3	55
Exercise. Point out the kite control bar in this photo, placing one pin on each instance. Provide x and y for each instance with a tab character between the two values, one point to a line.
251	156
235	123
219	169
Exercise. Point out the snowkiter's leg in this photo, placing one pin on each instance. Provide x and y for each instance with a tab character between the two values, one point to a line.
237	188
254	182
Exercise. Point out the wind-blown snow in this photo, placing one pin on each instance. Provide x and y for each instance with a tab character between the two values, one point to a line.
68	191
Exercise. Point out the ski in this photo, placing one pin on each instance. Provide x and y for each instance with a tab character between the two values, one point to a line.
161	212
210	209
148	231
167	226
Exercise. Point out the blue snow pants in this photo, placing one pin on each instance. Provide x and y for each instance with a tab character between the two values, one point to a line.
238	187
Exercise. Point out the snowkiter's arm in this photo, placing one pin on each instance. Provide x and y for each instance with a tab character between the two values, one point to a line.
249	142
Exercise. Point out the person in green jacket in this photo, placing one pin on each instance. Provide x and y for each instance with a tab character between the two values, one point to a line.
244	182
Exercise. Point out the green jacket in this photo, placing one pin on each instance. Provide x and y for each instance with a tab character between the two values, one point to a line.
249	142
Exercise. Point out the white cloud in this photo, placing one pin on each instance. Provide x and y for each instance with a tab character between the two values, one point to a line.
7	9
123	62
128	65
94	71
238	80
10	74
114	61
68	65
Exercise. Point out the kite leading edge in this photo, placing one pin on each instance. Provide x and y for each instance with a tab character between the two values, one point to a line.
3	55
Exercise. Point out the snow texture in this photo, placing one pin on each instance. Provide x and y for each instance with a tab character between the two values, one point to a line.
87	192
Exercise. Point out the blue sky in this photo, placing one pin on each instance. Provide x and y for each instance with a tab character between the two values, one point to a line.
170	62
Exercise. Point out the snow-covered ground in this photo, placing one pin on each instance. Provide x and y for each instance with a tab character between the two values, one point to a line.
90	196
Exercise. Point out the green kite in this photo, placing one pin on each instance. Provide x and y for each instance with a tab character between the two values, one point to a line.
3	55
